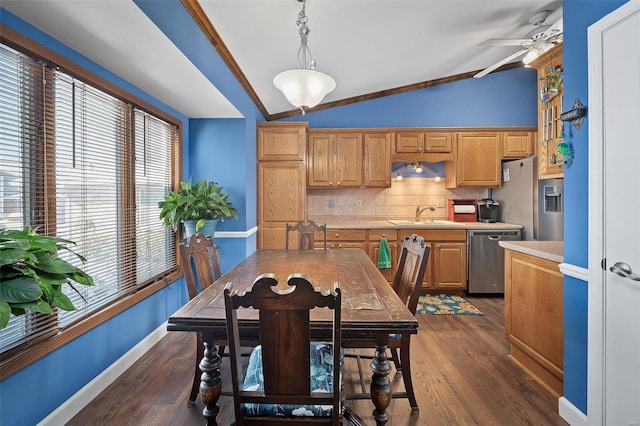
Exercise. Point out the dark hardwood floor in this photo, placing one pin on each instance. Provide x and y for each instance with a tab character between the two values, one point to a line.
461	374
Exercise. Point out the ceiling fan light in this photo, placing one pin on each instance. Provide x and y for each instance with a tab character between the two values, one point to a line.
304	88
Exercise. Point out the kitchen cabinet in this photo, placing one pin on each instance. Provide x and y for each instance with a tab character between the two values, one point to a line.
335	160
281	142
394	247
377	159
414	145
344	238
549	123
281	184
517	144
447	266
477	161
534	325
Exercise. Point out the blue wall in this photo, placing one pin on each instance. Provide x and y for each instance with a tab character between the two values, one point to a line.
578	15
500	99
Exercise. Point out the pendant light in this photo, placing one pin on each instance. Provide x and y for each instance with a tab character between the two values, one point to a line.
304	87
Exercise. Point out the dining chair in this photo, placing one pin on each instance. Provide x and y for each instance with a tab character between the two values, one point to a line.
290	379
204	254
306	234
407	284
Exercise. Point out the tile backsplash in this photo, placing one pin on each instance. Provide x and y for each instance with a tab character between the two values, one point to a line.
398	202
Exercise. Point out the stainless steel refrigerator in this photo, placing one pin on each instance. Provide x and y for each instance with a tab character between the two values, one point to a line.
537	205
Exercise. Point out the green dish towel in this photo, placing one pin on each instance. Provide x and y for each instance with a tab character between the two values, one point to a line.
384	254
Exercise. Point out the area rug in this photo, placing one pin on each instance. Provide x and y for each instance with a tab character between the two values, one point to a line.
445	304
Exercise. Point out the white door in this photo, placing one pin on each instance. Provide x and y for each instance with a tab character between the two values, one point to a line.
614	286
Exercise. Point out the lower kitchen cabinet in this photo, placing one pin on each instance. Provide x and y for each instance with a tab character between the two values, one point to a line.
534	325
447	266
394	247
344	238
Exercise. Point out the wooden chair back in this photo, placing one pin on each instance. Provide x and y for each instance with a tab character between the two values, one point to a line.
412	265
285	337
205	260
306	234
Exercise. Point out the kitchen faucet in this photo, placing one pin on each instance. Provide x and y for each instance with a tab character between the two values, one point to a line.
419	210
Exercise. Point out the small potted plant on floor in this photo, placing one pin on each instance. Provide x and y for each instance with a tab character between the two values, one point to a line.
32	274
198	205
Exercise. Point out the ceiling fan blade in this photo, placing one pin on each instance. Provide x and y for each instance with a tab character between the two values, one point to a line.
500	63
504	42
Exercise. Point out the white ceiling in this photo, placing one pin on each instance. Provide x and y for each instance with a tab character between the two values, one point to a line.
365	45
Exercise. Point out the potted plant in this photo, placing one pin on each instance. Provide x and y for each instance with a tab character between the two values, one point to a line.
32	274
198	205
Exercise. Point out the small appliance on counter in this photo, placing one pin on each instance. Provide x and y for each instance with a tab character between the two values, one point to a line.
463	211
488	210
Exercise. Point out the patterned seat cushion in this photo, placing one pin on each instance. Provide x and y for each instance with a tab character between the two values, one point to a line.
321	381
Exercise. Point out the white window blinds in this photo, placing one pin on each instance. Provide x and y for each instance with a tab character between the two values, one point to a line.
86	166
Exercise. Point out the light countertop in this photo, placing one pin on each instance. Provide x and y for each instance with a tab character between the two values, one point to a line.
380	223
550	250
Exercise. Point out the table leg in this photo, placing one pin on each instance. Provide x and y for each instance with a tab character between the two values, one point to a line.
380	389
210	382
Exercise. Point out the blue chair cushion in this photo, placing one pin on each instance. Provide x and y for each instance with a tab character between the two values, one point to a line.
321	381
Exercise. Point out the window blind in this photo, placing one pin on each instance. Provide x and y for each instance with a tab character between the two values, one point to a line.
89	167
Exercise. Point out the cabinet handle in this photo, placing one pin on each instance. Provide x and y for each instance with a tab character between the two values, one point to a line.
337	235
419	149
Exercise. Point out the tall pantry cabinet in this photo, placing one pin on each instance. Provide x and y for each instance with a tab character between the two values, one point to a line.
282	180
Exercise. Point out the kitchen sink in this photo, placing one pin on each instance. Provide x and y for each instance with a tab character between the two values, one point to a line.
420	222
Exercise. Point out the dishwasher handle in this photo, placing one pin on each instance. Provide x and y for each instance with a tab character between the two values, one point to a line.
495	237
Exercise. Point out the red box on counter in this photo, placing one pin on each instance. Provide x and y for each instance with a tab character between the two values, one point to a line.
463	210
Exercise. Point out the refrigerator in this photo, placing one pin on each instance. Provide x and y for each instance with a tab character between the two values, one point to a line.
537	205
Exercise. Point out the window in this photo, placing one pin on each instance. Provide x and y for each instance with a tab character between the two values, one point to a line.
88	166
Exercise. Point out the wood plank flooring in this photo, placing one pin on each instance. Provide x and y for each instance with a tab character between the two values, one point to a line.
461	374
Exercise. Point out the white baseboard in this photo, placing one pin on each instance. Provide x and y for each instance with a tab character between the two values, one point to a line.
84	396
570	413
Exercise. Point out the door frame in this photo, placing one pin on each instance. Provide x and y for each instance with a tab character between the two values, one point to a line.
596	296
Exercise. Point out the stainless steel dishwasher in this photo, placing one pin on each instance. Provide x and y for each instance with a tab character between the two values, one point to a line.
486	259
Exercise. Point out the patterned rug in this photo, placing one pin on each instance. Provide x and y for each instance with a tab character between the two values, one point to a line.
444	304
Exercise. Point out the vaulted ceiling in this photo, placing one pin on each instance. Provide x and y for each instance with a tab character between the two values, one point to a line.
371	48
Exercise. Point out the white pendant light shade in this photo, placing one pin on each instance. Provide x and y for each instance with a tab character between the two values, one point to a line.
304	88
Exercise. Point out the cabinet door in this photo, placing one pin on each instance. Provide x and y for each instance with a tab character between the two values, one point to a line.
409	143
517	144
377	160
348	160
478	161
272	237
281	192
374	250
320	167
450	266
278	142
437	142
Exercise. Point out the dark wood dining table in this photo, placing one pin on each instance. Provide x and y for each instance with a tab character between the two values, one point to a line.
371	310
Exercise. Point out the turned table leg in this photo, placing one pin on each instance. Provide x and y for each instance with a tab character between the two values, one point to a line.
380	389
210	382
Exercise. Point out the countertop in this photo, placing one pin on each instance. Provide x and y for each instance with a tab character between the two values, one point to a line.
355	223
550	250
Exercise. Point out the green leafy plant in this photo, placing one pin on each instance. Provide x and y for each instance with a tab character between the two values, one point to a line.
198	201
32	274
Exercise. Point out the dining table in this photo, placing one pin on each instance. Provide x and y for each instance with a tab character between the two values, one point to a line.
371	310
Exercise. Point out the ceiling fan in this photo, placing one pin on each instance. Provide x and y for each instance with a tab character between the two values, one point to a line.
536	42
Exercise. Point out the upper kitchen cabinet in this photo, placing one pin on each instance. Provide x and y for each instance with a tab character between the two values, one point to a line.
549	110
282	142
413	145
281	184
477	160
377	159
335	159
517	144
